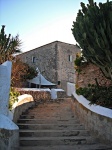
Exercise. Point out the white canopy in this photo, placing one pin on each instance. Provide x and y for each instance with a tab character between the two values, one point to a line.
40	80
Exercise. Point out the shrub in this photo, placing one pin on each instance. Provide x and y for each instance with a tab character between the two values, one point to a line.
13	97
21	72
99	95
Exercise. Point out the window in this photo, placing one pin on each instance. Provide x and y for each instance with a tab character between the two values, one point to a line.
59	82
33	59
70	58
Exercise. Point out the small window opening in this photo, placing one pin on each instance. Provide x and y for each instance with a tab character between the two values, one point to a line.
33	59
59	82
70	58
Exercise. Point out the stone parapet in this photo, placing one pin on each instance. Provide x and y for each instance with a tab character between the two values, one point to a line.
25	101
99	123
37	94
61	94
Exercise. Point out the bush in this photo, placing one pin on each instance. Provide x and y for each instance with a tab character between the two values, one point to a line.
99	95
21	72
13	97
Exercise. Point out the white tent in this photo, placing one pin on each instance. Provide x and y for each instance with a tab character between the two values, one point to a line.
40	80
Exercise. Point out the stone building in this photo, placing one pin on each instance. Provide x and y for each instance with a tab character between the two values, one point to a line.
54	60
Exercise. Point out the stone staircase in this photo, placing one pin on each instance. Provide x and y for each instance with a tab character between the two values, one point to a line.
52	126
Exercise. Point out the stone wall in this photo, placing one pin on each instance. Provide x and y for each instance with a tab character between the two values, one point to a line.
8	139
61	94
100	125
36	94
66	56
25	101
88	74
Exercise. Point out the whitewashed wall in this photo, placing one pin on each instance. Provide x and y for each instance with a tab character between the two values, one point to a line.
5	75
70	88
9	131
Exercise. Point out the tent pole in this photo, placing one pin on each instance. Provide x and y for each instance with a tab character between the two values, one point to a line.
40	81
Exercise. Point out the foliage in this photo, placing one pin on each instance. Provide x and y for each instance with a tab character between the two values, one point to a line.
31	72
18	70
8	45
21	72
93	32
79	61
13	97
96	94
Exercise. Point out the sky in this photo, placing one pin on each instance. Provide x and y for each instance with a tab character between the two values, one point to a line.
39	22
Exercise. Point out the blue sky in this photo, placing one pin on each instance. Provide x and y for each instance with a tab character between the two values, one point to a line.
39	22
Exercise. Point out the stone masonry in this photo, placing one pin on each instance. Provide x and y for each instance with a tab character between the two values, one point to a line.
99	125
54	60
88	74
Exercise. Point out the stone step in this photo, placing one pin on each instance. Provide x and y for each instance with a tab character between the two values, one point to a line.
53	133
37	109
44	141
68	147
48	115
50	106
40	121
51	126
29	116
